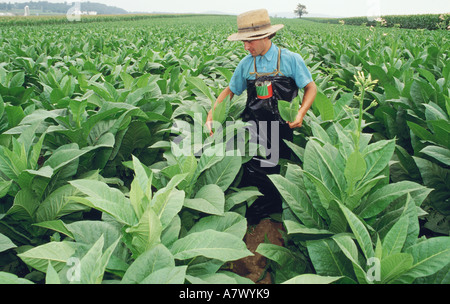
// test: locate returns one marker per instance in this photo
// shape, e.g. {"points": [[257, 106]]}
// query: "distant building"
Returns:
{"points": [[27, 11], [84, 13]]}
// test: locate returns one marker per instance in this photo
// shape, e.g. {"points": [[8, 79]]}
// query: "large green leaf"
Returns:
{"points": [[225, 277], [209, 199], [147, 233], [12, 163], [311, 279], [5, 243], [102, 197], [4, 187], [184, 165], [56, 225], [168, 275], [325, 107], [156, 258], [9, 278], [439, 153], [210, 157], [377, 156], [93, 264], [52, 276], [404, 208], [421, 132], [229, 222], [58, 204], [380, 199], [441, 129], [241, 196], [355, 168], [89, 231], [172, 232], [421, 91], [328, 259], [167, 203], [199, 84], [350, 250], [55, 252], [138, 199], [289, 110], [360, 232], [222, 173], [394, 266], [289, 263], [325, 167], [63, 156], [142, 176], [220, 112], [141, 188], [435, 177], [304, 233], [318, 187], [25, 205], [298, 201], [395, 239], [211, 244], [430, 256]]}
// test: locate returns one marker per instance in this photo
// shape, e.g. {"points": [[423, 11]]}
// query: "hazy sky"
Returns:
{"points": [[341, 8]]}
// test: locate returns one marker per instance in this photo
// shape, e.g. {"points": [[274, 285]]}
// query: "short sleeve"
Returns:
{"points": [[302, 75], [238, 83]]}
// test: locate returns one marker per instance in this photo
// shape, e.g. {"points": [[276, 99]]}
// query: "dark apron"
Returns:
{"points": [[263, 94]]}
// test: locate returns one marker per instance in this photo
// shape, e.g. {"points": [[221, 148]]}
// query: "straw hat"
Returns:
{"points": [[254, 25]]}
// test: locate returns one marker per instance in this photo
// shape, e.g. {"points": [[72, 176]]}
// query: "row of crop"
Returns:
{"points": [[353, 171], [344, 182], [77, 125], [104, 121], [411, 95], [425, 21], [63, 19], [409, 104]]}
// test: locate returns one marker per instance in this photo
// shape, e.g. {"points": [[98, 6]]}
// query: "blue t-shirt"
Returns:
{"points": [[292, 65]]}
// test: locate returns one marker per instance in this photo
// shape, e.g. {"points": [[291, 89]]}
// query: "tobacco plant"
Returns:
{"points": [[108, 175], [341, 206]]}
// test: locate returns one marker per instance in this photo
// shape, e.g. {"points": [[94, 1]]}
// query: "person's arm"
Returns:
{"points": [[308, 99], [226, 92]]}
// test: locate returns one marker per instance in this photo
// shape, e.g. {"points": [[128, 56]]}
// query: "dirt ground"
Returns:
{"points": [[254, 267]]}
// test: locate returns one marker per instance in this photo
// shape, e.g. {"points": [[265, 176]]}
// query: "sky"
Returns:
{"points": [[336, 8]]}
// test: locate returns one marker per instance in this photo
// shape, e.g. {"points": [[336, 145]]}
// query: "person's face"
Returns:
{"points": [[256, 47]]}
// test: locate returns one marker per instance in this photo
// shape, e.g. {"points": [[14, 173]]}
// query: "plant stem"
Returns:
{"points": [[361, 101]]}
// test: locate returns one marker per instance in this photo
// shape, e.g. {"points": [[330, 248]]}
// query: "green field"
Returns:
{"points": [[92, 189], [425, 21]]}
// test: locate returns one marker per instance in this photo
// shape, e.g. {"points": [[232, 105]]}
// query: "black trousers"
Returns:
{"points": [[270, 202]]}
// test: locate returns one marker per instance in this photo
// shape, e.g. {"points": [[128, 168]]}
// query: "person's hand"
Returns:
{"points": [[209, 119], [298, 122], [209, 122], [308, 99]]}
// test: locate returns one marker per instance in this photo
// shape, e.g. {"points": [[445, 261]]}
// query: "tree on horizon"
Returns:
{"points": [[300, 10]]}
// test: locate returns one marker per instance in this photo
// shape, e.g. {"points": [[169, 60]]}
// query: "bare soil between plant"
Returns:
{"points": [[254, 267]]}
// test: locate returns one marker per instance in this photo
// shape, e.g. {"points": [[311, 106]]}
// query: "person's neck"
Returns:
{"points": [[268, 46]]}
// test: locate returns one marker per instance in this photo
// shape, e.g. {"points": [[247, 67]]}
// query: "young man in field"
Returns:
{"points": [[268, 74]]}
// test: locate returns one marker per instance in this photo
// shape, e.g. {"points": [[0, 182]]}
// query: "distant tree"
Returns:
{"points": [[300, 10], [61, 8]]}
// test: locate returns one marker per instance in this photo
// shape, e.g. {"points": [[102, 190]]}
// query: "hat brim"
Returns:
{"points": [[255, 35]]}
